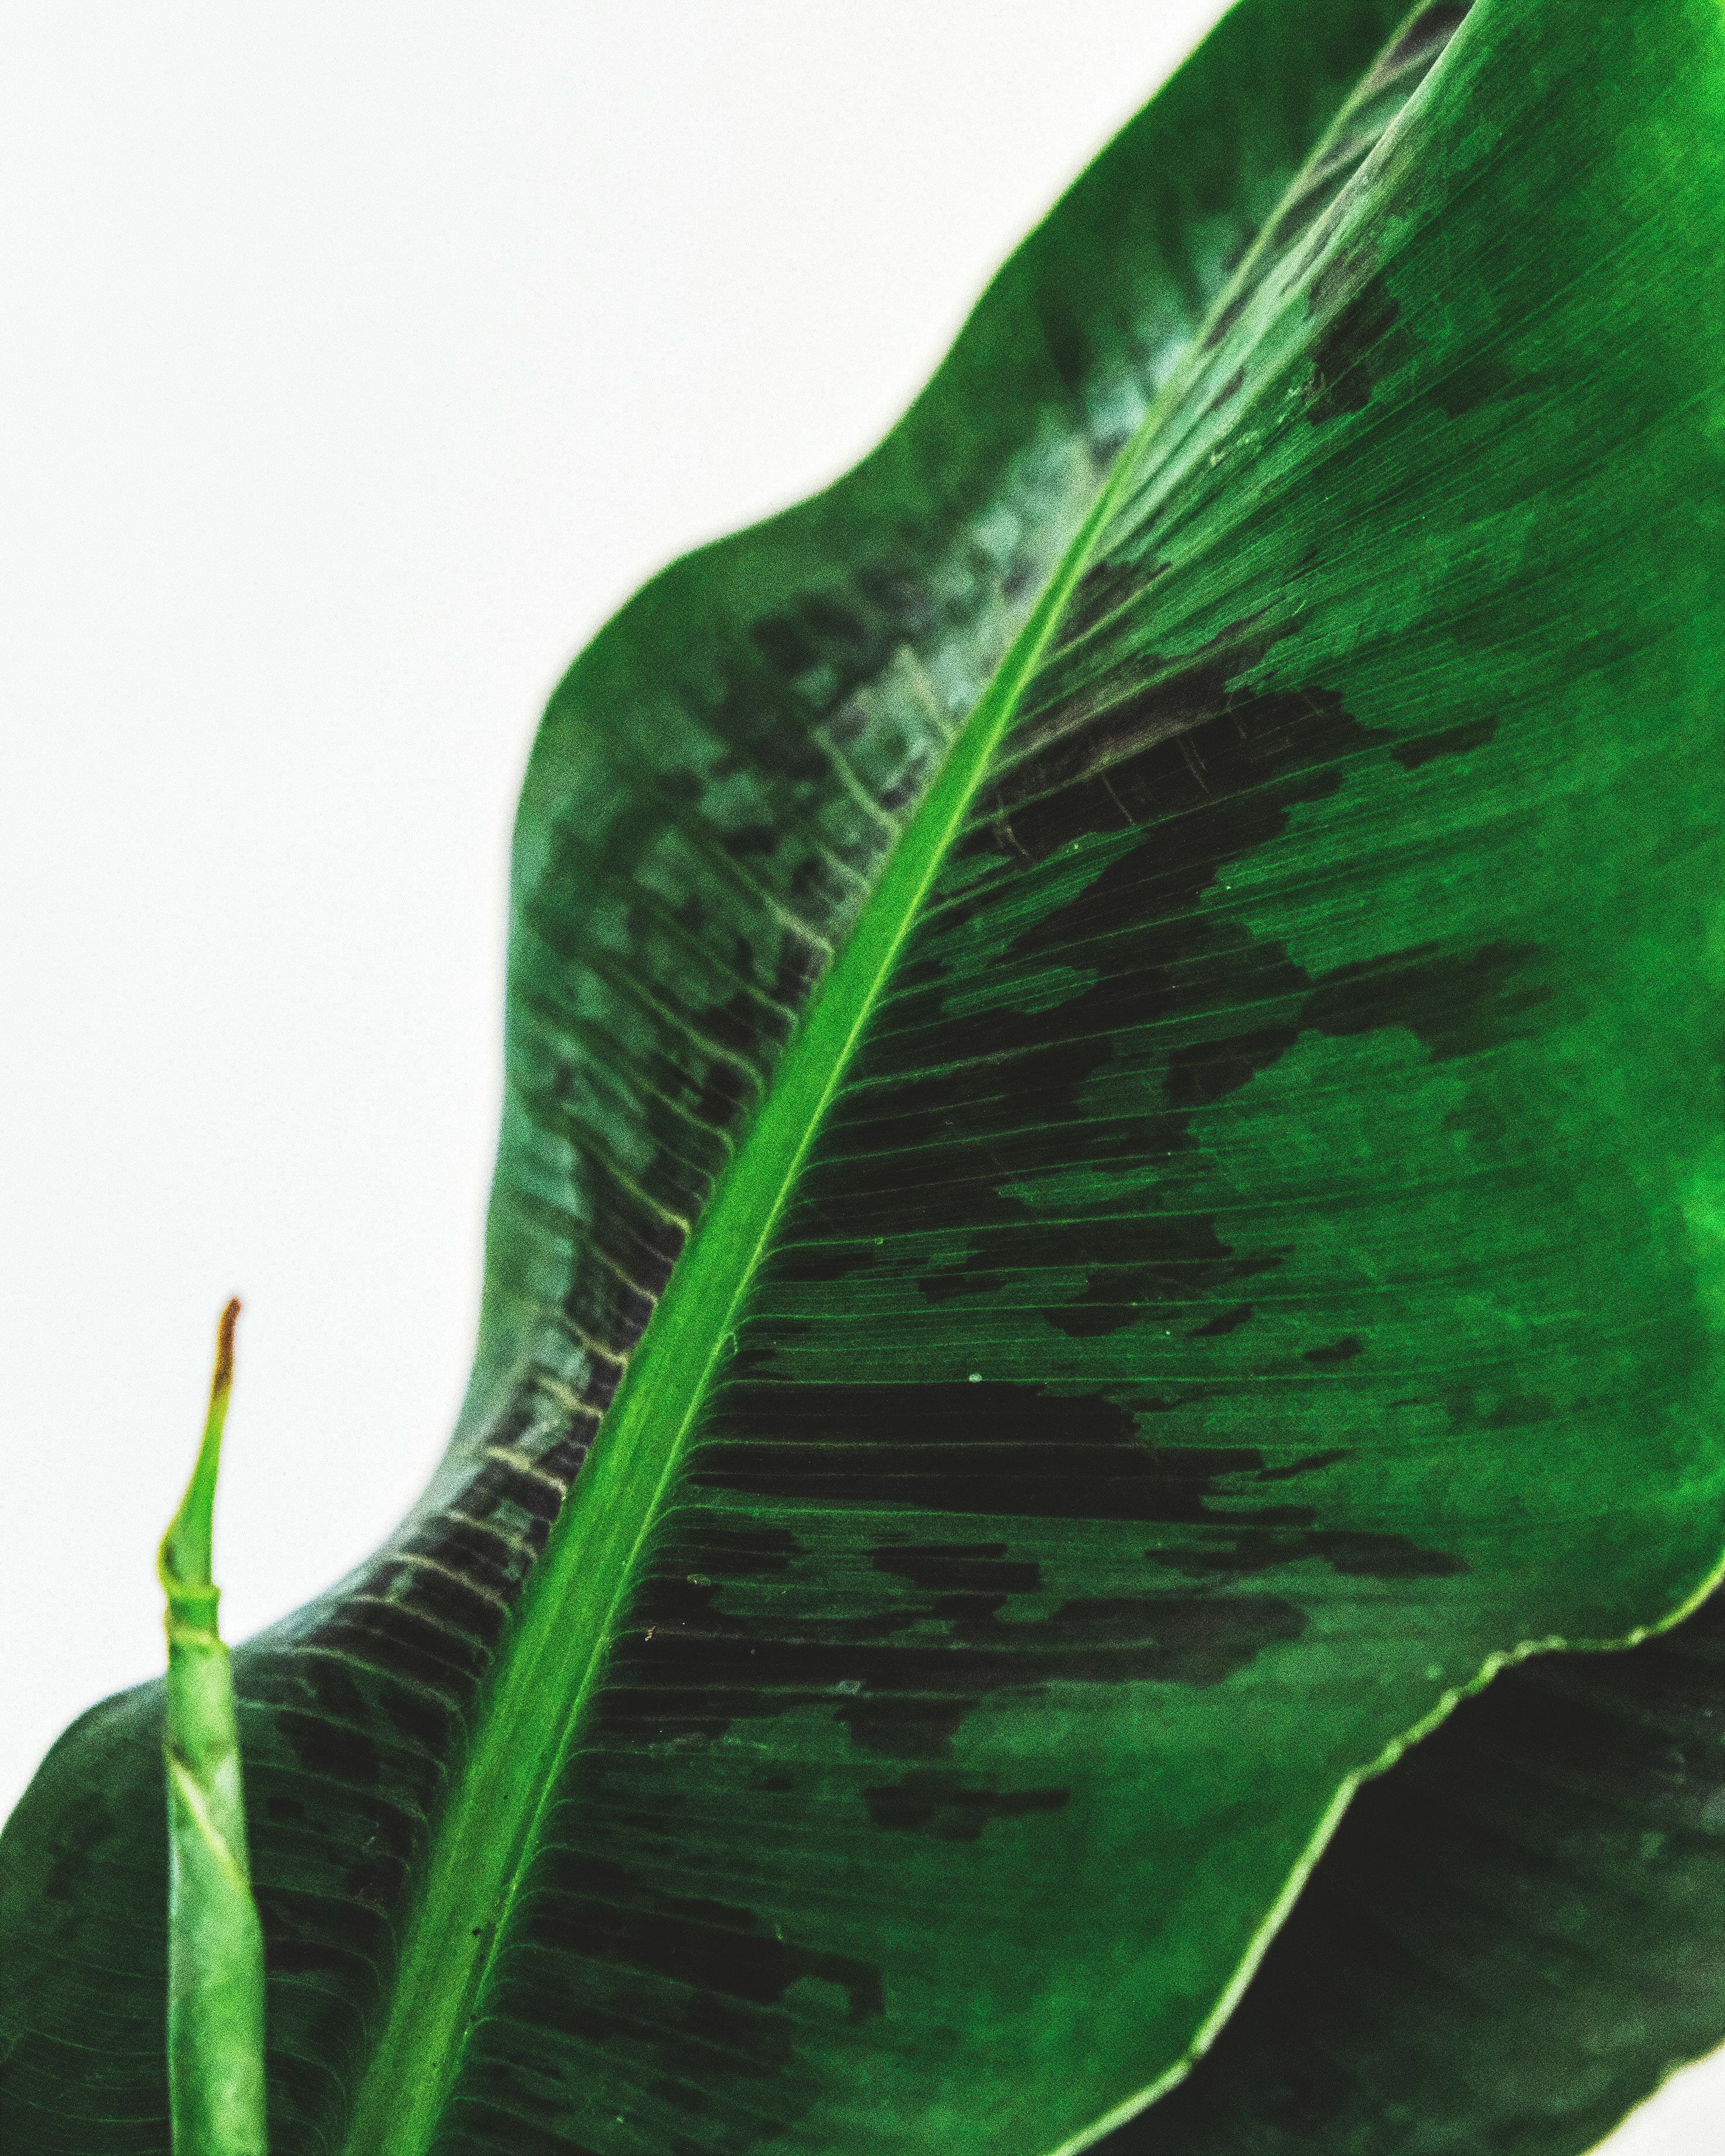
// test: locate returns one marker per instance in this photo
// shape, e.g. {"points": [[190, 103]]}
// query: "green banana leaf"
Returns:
{"points": [[1113, 1192]]}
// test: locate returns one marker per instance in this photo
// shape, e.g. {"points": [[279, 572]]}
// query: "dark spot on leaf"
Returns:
{"points": [[1454, 740], [1477, 381], [947, 1286], [1360, 345], [934, 1801], [1301, 212], [1338, 1351], [1153, 1267], [1227, 315], [786, 644], [1209, 1071], [1370, 1555], [990, 1449], [1509, 1411], [1101, 591], [1310, 1465], [970, 1569], [597, 1912], [902, 1677], [1188, 740], [1455, 1005], [1229, 1321], [1229, 391], [1358, 1554]]}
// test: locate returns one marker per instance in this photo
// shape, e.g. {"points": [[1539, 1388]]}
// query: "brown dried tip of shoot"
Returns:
{"points": [[222, 1379], [183, 1561]]}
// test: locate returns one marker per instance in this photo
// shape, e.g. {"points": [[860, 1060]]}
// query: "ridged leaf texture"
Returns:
{"points": [[1112, 1192]]}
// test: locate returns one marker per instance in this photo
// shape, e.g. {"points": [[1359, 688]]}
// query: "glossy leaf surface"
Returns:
{"points": [[1111, 1121]]}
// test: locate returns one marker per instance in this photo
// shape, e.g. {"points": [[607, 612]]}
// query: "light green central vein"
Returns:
{"points": [[581, 1588]]}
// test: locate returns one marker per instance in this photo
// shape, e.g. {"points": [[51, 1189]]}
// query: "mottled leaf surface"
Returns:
{"points": [[1257, 1261]]}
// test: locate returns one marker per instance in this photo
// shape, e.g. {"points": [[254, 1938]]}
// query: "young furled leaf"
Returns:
{"points": [[215, 1948], [1109, 1184]]}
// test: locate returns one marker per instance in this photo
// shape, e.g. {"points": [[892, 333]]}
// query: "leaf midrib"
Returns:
{"points": [[485, 1839]]}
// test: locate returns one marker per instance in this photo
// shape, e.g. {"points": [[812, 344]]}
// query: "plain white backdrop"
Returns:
{"points": [[358, 361]]}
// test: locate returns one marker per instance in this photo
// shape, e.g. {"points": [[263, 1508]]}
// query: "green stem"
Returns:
{"points": [[215, 1946]]}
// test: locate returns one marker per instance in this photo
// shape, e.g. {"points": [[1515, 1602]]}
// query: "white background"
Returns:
{"points": [[358, 361]]}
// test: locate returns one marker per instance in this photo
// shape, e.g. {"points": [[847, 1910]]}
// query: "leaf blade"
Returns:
{"points": [[1371, 1015]]}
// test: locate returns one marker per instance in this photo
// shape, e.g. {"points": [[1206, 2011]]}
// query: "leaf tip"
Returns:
{"points": [[183, 1561]]}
